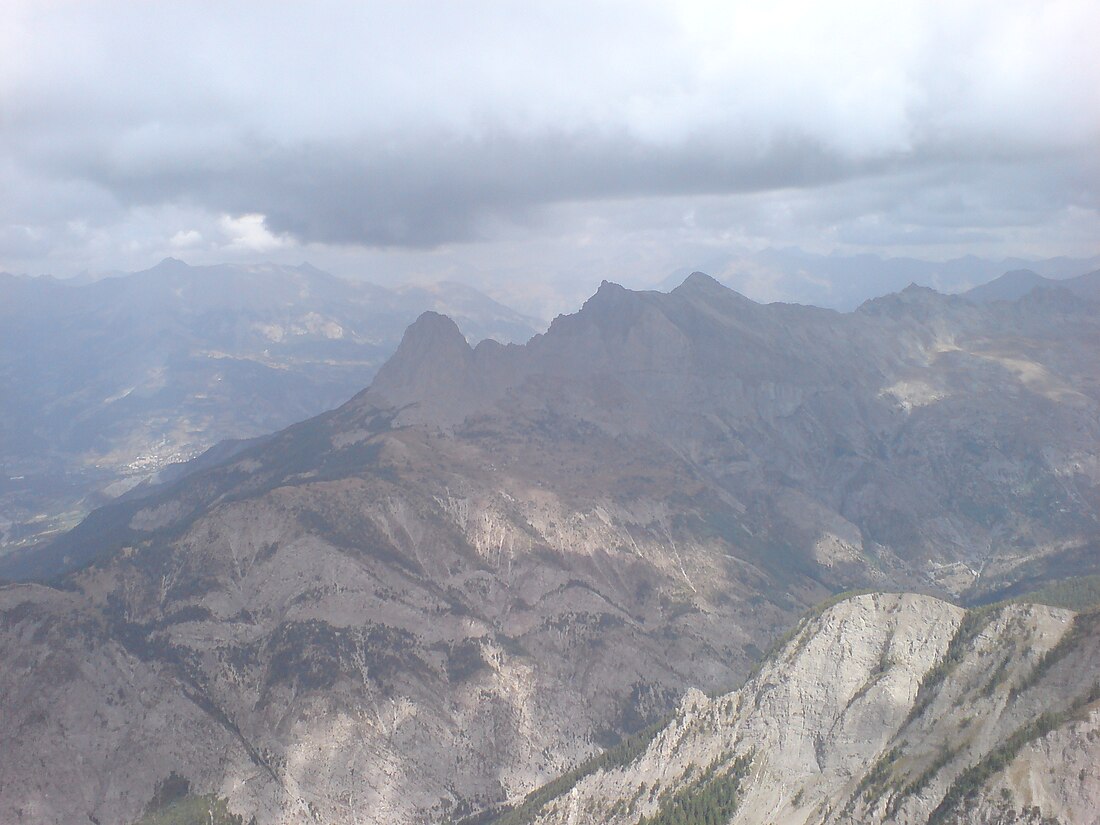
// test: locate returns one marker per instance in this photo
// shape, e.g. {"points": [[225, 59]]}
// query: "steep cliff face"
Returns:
{"points": [[498, 560], [885, 708]]}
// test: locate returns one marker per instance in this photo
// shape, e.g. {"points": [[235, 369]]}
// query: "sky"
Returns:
{"points": [[534, 148]]}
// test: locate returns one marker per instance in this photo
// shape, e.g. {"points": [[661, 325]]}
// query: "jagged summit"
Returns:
{"points": [[608, 293], [432, 340], [432, 329], [432, 374], [611, 307]]}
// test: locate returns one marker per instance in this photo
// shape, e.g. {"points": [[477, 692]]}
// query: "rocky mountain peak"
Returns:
{"points": [[432, 340], [915, 300], [704, 291], [610, 294], [700, 282], [434, 332], [612, 307], [431, 368]]}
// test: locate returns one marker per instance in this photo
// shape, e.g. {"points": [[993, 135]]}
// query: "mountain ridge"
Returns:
{"points": [[843, 282], [496, 562], [889, 714], [1014, 285]]}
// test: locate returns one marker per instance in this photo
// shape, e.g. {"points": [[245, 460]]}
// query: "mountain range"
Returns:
{"points": [[113, 380], [1019, 282], [843, 282], [501, 560]]}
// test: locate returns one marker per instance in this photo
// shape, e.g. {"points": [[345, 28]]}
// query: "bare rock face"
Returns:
{"points": [[496, 562], [87, 719], [886, 708], [432, 370]]}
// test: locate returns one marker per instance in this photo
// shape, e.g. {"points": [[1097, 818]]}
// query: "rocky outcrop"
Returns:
{"points": [[885, 708]]}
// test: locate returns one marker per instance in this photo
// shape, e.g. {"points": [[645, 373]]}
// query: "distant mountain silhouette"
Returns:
{"points": [[844, 282]]}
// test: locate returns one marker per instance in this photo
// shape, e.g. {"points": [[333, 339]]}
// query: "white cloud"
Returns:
{"points": [[185, 239], [248, 232]]}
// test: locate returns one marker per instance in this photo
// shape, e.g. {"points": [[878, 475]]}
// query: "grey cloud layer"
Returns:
{"points": [[430, 191], [418, 124]]}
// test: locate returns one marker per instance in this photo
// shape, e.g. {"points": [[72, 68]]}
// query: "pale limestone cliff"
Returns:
{"points": [[885, 708]]}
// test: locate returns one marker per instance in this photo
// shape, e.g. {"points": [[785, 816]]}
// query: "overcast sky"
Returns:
{"points": [[526, 144]]}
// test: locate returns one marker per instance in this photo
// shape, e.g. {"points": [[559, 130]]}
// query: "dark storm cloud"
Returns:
{"points": [[429, 191], [418, 124]]}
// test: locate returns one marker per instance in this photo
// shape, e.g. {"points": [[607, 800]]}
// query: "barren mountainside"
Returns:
{"points": [[499, 560], [885, 708]]}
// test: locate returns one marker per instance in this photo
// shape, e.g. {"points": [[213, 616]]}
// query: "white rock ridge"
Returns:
{"points": [[885, 709]]}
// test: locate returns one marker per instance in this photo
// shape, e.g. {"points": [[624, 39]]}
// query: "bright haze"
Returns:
{"points": [[533, 149]]}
